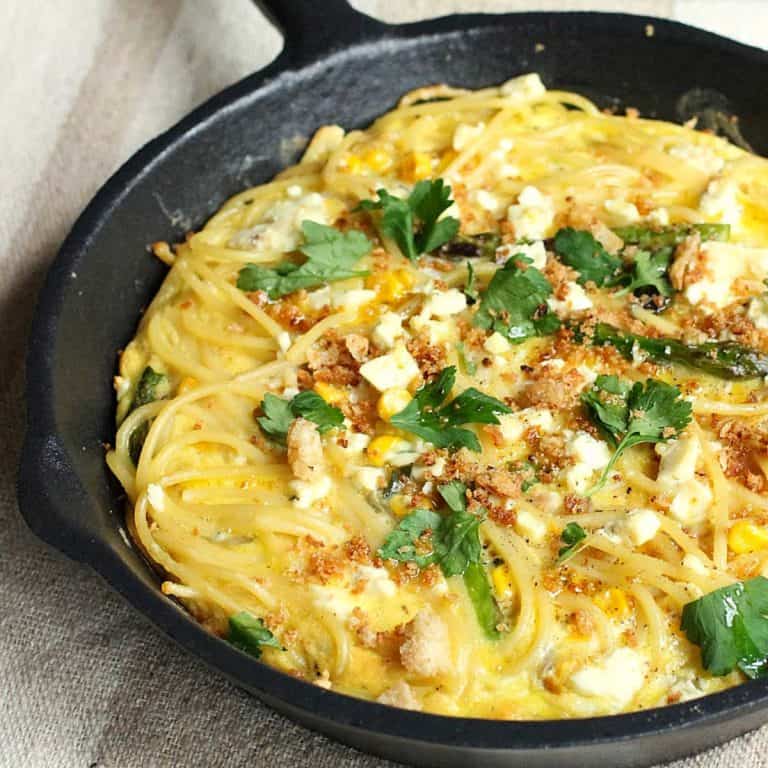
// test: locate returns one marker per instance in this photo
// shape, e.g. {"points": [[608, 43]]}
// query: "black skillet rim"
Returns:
{"points": [[42, 451]]}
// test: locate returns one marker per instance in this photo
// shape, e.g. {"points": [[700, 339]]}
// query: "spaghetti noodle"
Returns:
{"points": [[279, 512]]}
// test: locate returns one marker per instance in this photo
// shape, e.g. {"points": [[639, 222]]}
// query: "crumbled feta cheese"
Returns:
{"points": [[658, 217], [356, 442], [437, 331], [445, 303], [122, 386], [353, 299], [156, 496], [396, 369], [335, 600], [530, 526], [590, 455], [486, 200], [290, 392], [533, 215], [524, 87], [319, 298], [514, 425], [535, 251], [377, 580], [388, 330], [370, 478], [466, 133], [294, 191], [576, 300], [757, 311], [284, 341], [702, 158], [723, 267], [641, 526], [691, 502], [720, 202], [622, 212], [496, 344], [678, 461], [587, 373], [307, 492], [618, 678], [280, 231]]}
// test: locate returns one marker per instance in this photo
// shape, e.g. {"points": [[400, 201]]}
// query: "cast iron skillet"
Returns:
{"points": [[338, 66]]}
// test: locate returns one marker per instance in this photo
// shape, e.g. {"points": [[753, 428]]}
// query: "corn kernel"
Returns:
{"points": [[502, 582], [613, 602], [381, 448], [416, 166], [330, 393], [448, 157], [377, 159], [187, 384], [391, 286], [745, 536], [352, 164], [399, 505], [392, 401]]}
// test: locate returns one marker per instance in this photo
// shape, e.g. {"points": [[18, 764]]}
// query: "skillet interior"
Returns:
{"points": [[104, 276]]}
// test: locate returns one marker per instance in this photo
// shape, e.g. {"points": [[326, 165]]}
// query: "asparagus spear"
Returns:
{"points": [[652, 239], [471, 246], [723, 359]]}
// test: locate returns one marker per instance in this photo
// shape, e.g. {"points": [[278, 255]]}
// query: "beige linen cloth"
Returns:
{"points": [[85, 681]]}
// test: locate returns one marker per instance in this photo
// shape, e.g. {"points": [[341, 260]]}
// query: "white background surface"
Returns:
{"points": [[84, 681]]}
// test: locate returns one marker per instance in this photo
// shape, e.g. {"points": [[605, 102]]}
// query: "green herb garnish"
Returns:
{"points": [[515, 302], [451, 541], [581, 251], [415, 223], [631, 414], [573, 537], [731, 627], [249, 634], [427, 416], [280, 413], [331, 256]]}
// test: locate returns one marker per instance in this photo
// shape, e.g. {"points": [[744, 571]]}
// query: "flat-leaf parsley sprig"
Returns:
{"points": [[414, 223], [630, 414], [331, 256], [440, 424]]}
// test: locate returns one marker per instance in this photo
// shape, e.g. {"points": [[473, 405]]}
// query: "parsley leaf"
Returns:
{"points": [[580, 250], [311, 406], [731, 627], [427, 417], [403, 544], [415, 224], [573, 536], [280, 413], [515, 302], [649, 270], [654, 412], [249, 634], [455, 547], [330, 254]]}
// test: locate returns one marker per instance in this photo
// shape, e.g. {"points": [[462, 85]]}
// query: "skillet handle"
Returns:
{"points": [[313, 28]]}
